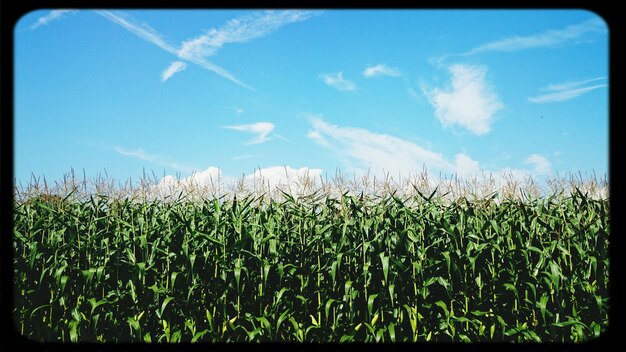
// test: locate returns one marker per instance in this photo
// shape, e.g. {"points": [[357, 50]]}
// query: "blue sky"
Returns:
{"points": [[236, 92]]}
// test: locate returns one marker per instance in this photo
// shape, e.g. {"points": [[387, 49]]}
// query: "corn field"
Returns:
{"points": [[352, 268]]}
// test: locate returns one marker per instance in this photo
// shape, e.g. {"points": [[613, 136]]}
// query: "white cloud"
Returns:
{"points": [[155, 159], [283, 176], [242, 157], [317, 137], [195, 50], [381, 70], [207, 183], [237, 30], [466, 167], [540, 164], [212, 182], [240, 30], [337, 81], [363, 151], [261, 129], [570, 84], [175, 67], [550, 38], [564, 95], [148, 33], [137, 153], [141, 30], [469, 103], [51, 16], [208, 177], [379, 152], [566, 91]]}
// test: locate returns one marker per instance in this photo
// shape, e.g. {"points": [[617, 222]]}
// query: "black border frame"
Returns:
{"points": [[10, 339]]}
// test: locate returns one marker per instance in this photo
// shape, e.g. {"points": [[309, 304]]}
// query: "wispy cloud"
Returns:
{"points": [[363, 149], [196, 50], [146, 32], [155, 159], [242, 157], [240, 30], [337, 81], [176, 66], [317, 137], [549, 38], [137, 153], [142, 30], [51, 16], [470, 102], [571, 84], [381, 70], [540, 164], [261, 129], [566, 91], [564, 95]]}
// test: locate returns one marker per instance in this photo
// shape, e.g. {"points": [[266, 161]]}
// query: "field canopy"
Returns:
{"points": [[204, 185]]}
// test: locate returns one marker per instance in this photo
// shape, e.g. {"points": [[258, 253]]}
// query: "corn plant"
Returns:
{"points": [[314, 268]]}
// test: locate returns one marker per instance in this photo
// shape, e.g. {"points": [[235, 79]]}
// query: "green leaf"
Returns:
{"points": [[568, 323], [495, 226], [73, 330], [280, 293], [346, 338], [166, 301], [443, 306], [327, 307], [370, 302], [199, 335], [479, 313], [385, 262], [134, 324], [176, 336], [281, 318], [173, 278], [95, 304], [595, 327], [511, 332], [511, 288]]}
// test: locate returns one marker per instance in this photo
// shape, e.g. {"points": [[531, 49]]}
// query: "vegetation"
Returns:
{"points": [[387, 267]]}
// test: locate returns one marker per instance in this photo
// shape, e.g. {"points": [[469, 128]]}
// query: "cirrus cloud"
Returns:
{"points": [[566, 91], [237, 30], [176, 66], [546, 39], [381, 70], [337, 81], [261, 129], [53, 15]]}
